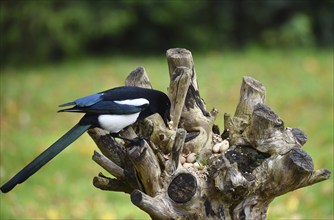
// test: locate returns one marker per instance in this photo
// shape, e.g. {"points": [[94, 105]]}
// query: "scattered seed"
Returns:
{"points": [[182, 159], [191, 158], [216, 147], [197, 165], [224, 146]]}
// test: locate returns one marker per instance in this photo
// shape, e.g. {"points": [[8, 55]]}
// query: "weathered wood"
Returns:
{"points": [[108, 165], [105, 183], [147, 167], [267, 133], [157, 207], [178, 88], [139, 78], [264, 158], [185, 95], [174, 161], [179, 57], [182, 188], [252, 92], [155, 129], [108, 146], [115, 153]]}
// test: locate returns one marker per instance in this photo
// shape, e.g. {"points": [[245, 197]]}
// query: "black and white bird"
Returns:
{"points": [[112, 110]]}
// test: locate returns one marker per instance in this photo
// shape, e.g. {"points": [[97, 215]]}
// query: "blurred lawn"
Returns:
{"points": [[299, 89]]}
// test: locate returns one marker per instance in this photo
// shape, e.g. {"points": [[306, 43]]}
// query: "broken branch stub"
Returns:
{"points": [[187, 171], [188, 108]]}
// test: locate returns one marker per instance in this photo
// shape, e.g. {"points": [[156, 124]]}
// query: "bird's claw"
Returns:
{"points": [[137, 141]]}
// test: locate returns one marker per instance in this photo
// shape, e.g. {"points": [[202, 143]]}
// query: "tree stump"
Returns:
{"points": [[189, 170]]}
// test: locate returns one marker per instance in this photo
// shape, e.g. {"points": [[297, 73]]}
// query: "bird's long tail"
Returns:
{"points": [[45, 157]]}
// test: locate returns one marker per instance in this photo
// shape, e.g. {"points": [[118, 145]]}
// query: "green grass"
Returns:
{"points": [[299, 89]]}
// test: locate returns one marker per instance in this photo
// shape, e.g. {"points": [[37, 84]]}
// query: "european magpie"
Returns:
{"points": [[112, 110]]}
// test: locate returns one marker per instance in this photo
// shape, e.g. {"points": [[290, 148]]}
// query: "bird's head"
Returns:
{"points": [[160, 104], [165, 111]]}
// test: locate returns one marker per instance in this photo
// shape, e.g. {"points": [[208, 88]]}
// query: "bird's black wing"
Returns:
{"points": [[85, 101], [107, 107], [120, 100]]}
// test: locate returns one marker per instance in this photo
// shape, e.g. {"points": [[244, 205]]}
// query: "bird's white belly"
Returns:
{"points": [[115, 123]]}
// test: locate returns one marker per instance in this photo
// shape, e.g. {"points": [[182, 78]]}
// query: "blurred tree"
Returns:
{"points": [[40, 31], [295, 33]]}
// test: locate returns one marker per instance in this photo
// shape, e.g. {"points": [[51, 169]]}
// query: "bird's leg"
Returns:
{"points": [[138, 141], [134, 141]]}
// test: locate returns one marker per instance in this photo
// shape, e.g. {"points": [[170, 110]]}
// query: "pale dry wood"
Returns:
{"points": [[178, 88], [109, 184], [157, 207], [267, 133], [139, 78], [154, 128], [108, 146], [194, 117], [252, 92], [174, 160], [178, 57], [108, 165], [265, 159], [147, 167]]}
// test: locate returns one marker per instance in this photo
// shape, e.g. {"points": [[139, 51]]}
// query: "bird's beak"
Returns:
{"points": [[166, 117]]}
